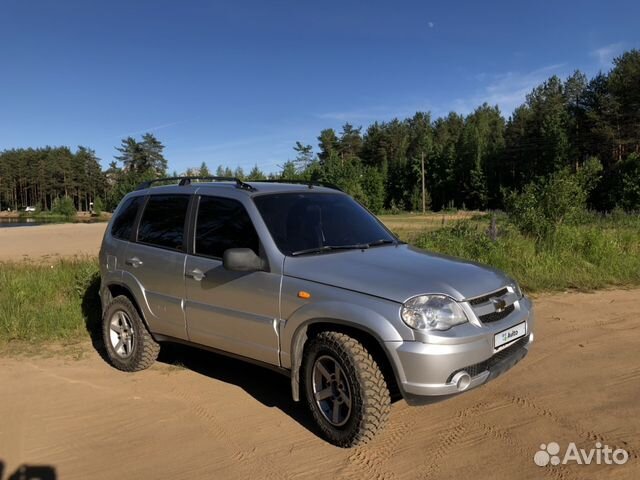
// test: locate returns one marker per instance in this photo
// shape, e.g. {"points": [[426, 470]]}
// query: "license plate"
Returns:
{"points": [[510, 334]]}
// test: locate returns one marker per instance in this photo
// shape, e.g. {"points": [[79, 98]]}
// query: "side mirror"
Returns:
{"points": [[242, 260]]}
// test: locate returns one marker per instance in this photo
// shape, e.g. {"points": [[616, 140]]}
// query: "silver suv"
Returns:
{"points": [[304, 280]]}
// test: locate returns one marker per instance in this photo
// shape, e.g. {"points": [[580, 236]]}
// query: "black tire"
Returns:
{"points": [[365, 385], [144, 349]]}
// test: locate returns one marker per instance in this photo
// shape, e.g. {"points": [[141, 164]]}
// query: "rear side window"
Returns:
{"points": [[123, 223], [223, 223], [162, 223]]}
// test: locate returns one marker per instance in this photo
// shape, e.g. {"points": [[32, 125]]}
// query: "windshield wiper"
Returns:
{"points": [[326, 248], [382, 241], [356, 246]]}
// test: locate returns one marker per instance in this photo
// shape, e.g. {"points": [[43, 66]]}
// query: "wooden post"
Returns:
{"points": [[424, 200]]}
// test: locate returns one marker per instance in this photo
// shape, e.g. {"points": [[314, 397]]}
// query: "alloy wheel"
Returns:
{"points": [[331, 390], [121, 334]]}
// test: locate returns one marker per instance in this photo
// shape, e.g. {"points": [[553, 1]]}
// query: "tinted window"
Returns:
{"points": [[123, 223], [301, 221], [162, 222], [223, 223]]}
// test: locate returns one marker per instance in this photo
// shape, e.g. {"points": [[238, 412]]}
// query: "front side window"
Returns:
{"points": [[306, 223], [123, 223], [223, 223], [163, 220]]}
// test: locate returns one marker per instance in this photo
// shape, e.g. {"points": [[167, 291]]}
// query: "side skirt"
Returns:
{"points": [[282, 371]]}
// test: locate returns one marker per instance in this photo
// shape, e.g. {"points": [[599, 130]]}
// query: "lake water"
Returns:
{"points": [[32, 222]]}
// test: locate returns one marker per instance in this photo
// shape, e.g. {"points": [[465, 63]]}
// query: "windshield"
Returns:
{"points": [[305, 223]]}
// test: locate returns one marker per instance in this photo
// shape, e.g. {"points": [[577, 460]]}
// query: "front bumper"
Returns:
{"points": [[426, 370]]}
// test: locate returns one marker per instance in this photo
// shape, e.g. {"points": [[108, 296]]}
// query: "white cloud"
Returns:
{"points": [[606, 54], [150, 129], [431, 24], [507, 90]]}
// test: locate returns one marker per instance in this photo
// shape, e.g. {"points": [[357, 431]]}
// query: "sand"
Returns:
{"points": [[199, 415], [43, 243]]}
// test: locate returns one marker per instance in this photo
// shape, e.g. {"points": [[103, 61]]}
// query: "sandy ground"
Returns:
{"points": [[199, 415], [49, 242]]}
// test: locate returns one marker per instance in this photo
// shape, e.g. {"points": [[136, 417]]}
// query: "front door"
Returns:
{"points": [[232, 311]]}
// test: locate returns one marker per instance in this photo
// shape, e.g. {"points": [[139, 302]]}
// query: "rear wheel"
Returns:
{"points": [[345, 389], [129, 345]]}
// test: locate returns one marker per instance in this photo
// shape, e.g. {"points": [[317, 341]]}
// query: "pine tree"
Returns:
{"points": [[304, 156], [204, 170], [152, 149], [256, 174], [141, 157]]}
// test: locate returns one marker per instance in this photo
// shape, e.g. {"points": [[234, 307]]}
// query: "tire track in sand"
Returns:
{"points": [[256, 466], [523, 401], [371, 459], [449, 439], [559, 472]]}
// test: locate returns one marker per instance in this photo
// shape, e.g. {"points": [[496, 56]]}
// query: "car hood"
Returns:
{"points": [[397, 272]]}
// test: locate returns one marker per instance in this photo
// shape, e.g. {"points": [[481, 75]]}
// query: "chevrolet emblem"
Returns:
{"points": [[499, 304]]}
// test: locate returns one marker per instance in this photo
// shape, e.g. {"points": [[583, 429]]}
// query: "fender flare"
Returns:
{"points": [[143, 308], [360, 318]]}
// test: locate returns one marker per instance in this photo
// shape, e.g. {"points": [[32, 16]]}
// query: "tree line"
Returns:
{"points": [[469, 161], [39, 176], [474, 161]]}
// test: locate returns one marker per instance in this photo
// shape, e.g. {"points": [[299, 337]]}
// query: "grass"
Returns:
{"points": [[44, 302], [409, 226], [48, 301], [604, 252]]}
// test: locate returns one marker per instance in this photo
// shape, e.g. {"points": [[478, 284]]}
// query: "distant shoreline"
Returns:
{"points": [[79, 217]]}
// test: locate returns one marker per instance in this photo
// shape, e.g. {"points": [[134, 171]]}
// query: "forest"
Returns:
{"points": [[472, 161], [39, 176]]}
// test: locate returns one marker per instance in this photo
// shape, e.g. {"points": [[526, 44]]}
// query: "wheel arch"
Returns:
{"points": [[369, 339], [115, 289]]}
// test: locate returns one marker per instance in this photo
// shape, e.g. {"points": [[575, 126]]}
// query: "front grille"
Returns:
{"points": [[495, 316], [478, 368], [486, 298]]}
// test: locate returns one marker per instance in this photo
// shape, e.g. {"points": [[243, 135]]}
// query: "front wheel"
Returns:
{"points": [[345, 389]]}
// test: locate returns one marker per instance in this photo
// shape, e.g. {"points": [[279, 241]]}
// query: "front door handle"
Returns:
{"points": [[135, 262], [196, 274]]}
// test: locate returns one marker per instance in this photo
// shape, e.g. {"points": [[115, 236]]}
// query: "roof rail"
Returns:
{"points": [[182, 181], [309, 183]]}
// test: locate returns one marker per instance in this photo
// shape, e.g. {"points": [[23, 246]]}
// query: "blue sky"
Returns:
{"points": [[237, 83]]}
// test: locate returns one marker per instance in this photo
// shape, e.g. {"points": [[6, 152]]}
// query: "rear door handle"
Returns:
{"points": [[196, 274], [134, 262]]}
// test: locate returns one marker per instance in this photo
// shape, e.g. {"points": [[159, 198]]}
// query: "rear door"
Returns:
{"points": [[231, 311], [156, 261], [121, 232]]}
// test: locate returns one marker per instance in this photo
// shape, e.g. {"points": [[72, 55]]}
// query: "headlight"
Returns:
{"points": [[516, 289], [432, 312]]}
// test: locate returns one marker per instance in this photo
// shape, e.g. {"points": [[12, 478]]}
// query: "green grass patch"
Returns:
{"points": [[48, 302], [604, 252], [47, 216]]}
